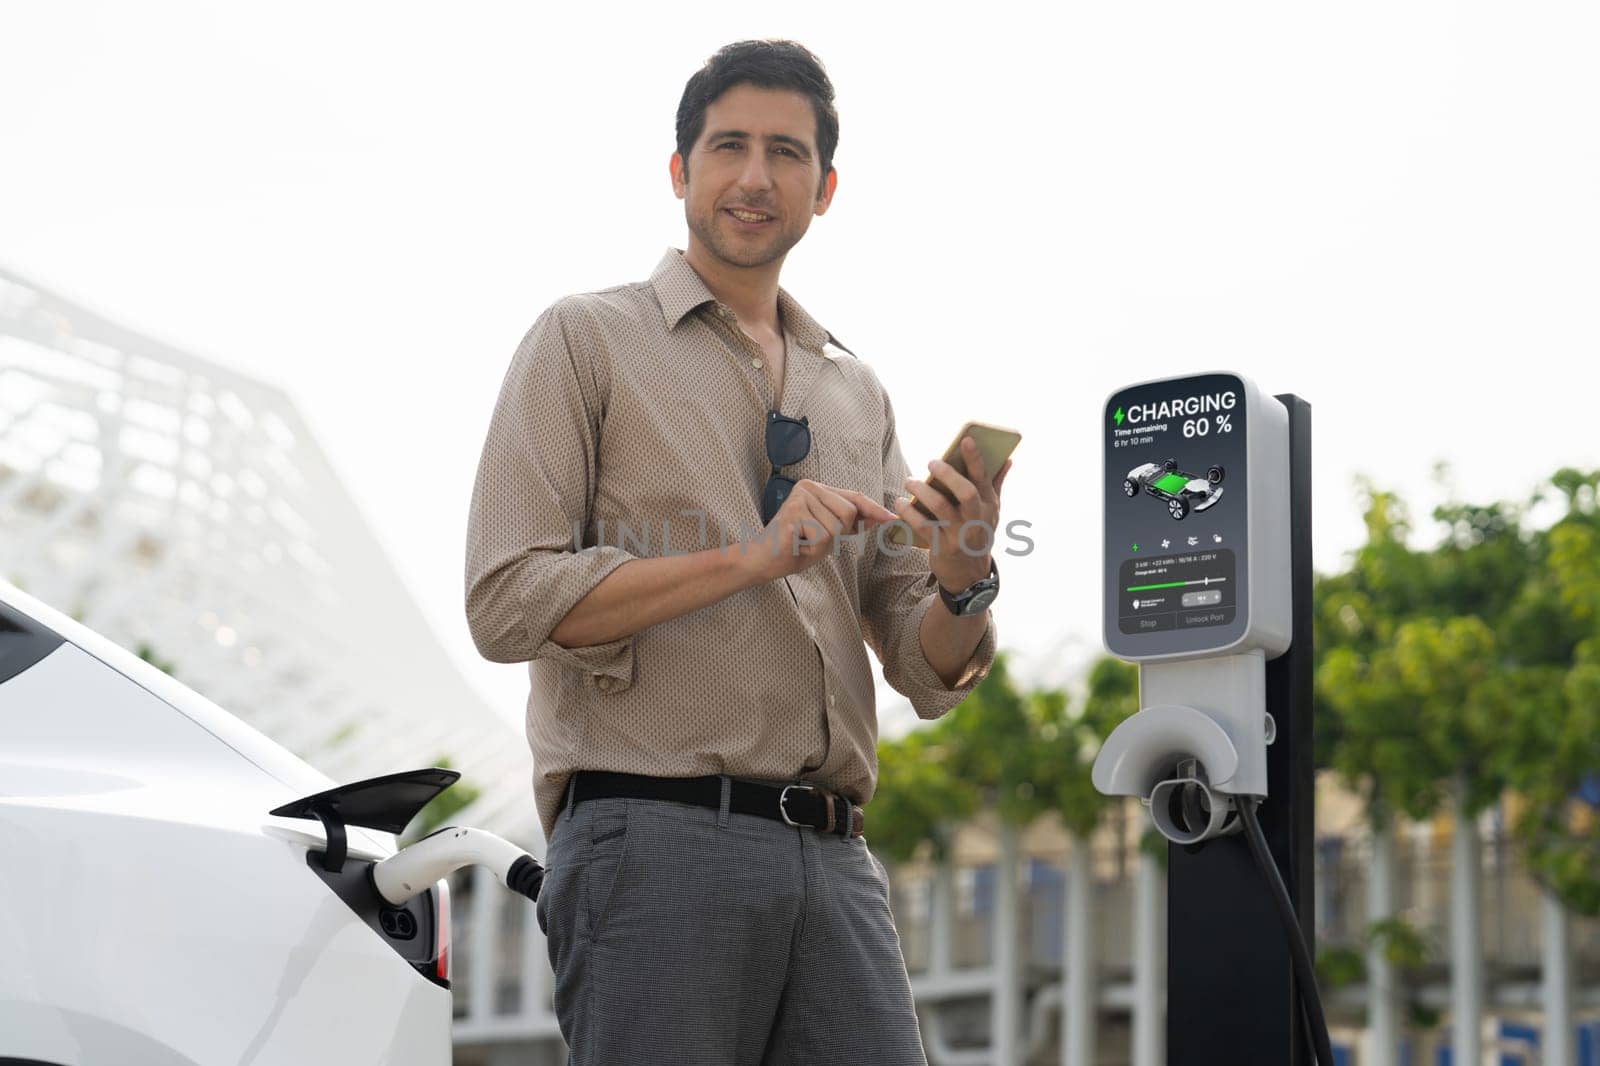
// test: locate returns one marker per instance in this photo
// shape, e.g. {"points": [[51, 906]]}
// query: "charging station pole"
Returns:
{"points": [[1231, 998]]}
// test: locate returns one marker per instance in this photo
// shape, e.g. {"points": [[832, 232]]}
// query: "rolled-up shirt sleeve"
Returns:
{"points": [[526, 565], [898, 589]]}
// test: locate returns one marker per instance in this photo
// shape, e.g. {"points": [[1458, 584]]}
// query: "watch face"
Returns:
{"points": [[979, 601]]}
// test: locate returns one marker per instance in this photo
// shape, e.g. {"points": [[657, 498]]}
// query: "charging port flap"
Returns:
{"points": [[386, 803]]}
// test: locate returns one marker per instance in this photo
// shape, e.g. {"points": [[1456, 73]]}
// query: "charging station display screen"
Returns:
{"points": [[1175, 516]]}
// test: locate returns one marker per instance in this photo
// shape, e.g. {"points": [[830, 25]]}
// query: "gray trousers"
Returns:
{"points": [[684, 935]]}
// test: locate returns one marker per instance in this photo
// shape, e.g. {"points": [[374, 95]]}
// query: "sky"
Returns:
{"points": [[1391, 210]]}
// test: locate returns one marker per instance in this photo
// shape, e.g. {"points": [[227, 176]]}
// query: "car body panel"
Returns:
{"points": [[251, 744], [152, 904]]}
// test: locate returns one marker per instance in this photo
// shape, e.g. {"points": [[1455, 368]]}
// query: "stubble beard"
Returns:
{"points": [[734, 251]]}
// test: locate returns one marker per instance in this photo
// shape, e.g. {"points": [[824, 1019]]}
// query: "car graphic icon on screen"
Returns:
{"points": [[1183, 491]]}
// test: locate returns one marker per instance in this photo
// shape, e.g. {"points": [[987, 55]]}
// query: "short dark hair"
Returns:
{"points": [[772, 64]]}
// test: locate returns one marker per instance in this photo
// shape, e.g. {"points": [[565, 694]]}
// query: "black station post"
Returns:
{"points": [[1231, 998]]}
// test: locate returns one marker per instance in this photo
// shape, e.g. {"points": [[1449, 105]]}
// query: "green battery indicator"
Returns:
{"points": [[1177, 584]]}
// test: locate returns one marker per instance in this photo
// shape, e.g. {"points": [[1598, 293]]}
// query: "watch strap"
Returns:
{"points": [[957, 602]]}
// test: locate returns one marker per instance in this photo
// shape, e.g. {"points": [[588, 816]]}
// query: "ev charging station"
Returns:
{"points": [[1207, 587]]}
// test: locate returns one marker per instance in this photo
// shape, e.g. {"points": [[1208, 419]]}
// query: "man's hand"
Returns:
{"points": [[958, 542], [803, 531]]}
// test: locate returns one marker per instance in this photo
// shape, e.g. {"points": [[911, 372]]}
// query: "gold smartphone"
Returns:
{"points": [[995, 445]]}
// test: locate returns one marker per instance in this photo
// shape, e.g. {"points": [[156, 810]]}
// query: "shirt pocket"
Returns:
{"points": [[846, 463]]}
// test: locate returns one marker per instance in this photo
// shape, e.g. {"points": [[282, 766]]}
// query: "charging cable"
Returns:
{"points": [[1305, 977]]}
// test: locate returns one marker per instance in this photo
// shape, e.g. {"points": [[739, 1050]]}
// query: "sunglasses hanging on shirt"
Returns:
{"points": [[788, 442]]}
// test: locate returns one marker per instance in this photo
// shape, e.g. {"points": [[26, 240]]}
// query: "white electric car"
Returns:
{"points": [[176, 889]]}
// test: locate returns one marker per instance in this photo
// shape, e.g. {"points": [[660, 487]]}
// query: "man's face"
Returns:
{"points": [[751, 185]]}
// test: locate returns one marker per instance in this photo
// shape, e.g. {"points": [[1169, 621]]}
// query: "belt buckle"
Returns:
{"points": [[783, 812]]}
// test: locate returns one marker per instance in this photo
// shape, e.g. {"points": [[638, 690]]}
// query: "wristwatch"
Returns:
{"points": [[976, 596]]}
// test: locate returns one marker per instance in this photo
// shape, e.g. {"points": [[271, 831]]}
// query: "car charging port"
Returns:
{"points": [[397, 923]]}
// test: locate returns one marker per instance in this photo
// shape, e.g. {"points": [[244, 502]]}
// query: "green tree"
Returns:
{"points": [[1020, 753], [1412, 679], [1475, 660], [1558, 731], [1066, 743], [991, 745], [918, 799]]}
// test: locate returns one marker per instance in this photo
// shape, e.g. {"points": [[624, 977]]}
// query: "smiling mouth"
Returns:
{"points": [[748, 217]]}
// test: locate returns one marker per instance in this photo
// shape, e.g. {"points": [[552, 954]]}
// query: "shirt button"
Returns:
{"points": [[604, 682], [756, 363], [831, 701]]}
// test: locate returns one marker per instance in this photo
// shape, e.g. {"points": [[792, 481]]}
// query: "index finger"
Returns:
{"points": [[844, 504], [867, 506]]}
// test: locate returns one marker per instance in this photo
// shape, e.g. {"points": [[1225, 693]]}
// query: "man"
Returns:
{"points": [[676, 523]]}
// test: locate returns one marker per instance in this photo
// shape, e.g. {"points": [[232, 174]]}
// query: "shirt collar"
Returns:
{"points": [[680, 290]]}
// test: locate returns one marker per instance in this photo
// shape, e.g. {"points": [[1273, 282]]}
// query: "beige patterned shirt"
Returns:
{"points": [[632, 424]]}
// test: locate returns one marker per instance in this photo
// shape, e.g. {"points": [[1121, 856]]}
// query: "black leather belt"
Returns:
{"points": [[797, 805]]}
